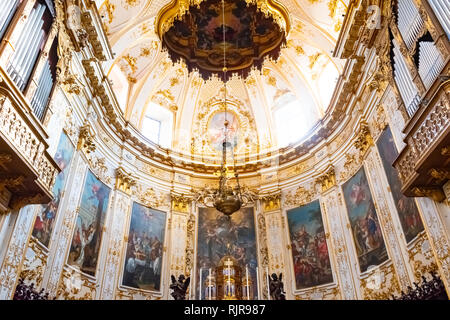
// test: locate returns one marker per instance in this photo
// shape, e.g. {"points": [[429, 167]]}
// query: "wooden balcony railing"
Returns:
{"points": [[27, 171], [424, 163]]}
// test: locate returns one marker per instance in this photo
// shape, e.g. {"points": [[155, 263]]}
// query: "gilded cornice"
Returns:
{"points": [[86, 139], [271, 202], [180, 203], [327, 180], [124, 180], [299, 197]]}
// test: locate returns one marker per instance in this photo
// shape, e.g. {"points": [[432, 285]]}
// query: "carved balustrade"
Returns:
{"points": [[27, 171], [424, 163]]}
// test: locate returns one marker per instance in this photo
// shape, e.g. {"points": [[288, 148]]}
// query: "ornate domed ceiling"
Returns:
{"points": [[267, 110]]}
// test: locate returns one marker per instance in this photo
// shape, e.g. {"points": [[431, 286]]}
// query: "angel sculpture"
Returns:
{"points": [[179, 287], [276, 287]]}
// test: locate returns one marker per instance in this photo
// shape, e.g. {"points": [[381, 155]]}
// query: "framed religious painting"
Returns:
{"points": [[312, 266], [406, 206], [365, 226], [45, 219], [144, 251], [87, 236]]}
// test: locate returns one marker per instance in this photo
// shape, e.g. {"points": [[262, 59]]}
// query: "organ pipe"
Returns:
{"points": [[441, 9], [27, 50], [410, 22]]}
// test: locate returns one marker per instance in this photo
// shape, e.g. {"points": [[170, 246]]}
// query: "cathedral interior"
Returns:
{"points": [[224, 149]]}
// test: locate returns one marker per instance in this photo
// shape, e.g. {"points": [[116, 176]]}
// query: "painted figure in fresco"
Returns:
{"points": [[358, 194], [93, 235], [309, 247], [46, 217], [143, 259], [373, 228], [364, 222], [86, 235], [221, 235], [406, 207]]}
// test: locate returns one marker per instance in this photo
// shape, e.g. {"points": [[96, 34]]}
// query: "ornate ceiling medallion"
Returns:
{"points": [[192, 31]]}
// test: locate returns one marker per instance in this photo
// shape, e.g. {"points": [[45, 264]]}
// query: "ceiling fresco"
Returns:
{"points": [[142, 73]]}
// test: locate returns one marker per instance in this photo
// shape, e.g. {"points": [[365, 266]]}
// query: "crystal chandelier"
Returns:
{"points": [[226, 199]]}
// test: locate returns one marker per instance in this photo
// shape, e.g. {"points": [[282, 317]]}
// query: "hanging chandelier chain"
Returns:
{"points": [[224, 66]]}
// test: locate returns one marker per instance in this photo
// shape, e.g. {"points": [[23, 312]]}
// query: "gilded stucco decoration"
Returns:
{"points": [[380, 284], [150, 197], [271, 202], [190, 244], [263, 254], [327, 180], [75, 286], [180, 203], [124, 180], [325, 293], [86, 139], [210, 113], [299, 197], [364, 139], [421, 257], [100, 168], [351, 164], [35, 261]]}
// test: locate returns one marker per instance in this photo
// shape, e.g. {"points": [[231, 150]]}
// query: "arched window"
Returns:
{"points": [[292, 120], [157, 125]]}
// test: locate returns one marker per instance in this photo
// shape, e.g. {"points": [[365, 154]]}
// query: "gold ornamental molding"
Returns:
{"points": [[124, 180], [180, 203], [328, 179], [300, 197], [271, 202], [177, 8], [434, 193], [364, 139], [86, 139]]}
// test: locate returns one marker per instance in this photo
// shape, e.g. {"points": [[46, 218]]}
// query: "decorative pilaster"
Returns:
{"points": [[190, 245], [110, 271], [438, 237], [327, 180], [124, 181], [86, 139], [11, 267], [65, 223], [275, 228], [178, 238], [395, 244], [332, 209], [363, 140], [263, 257]]}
